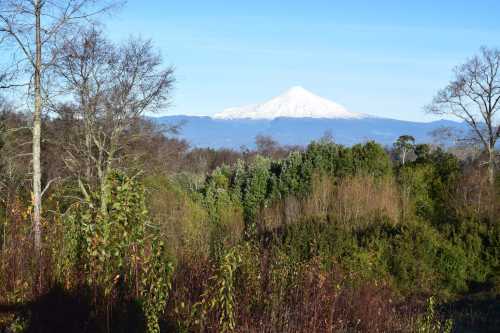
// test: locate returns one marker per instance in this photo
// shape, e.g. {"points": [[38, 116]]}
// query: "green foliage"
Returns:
{"points": [[336, 160], [291, 174], [418, 256], [224, 209], [18, 325], [480, 241], [371, 159], [430, 323], [403, 146], [422, 153], [416, 183], [182, 218], [249, 277], [220, 294], [283, 278], [427, 183], [115, 250], [409, 254], [155, 284], [328, 158], [255, 191], [257, 184], [413, 255], [113, 242]]}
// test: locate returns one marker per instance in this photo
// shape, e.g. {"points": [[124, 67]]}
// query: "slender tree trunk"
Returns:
{"points": [[491, 165], [85, 105], [105, 186], [88, 146], [104, 196], [37, 128]]}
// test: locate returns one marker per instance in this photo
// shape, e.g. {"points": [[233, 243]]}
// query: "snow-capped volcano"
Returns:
{"points": [[296, 102]]}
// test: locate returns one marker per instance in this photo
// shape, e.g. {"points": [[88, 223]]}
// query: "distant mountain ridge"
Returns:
{"points": [[201, 131], [296, 117]]}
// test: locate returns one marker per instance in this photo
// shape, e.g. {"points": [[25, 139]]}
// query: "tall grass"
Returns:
{"points": [[350, 202]]}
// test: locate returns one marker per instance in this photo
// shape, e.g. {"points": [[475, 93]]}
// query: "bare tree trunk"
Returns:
{"points": [[37, 128], [88, 145], [104, 195], [491, 166], [105, 187]]}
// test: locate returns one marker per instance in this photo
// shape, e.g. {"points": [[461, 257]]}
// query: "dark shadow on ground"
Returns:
{"points": [[61, 311], [476, 314]]}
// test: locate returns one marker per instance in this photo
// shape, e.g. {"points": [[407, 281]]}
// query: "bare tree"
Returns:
{"points": [[113, 87], [473, 96], [266, 145], [327, 137], [84, 65], [29, 30]]}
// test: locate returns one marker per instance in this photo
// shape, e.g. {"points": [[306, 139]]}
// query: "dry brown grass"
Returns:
{"points": [[474, 196], [357, 200], [352, 202]]}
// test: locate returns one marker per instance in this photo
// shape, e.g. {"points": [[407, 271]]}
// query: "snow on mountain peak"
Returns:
{"points": [[296, 102], [297, 90]]}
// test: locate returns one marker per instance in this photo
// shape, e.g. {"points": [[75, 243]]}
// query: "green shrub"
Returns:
{"points": [[116, 251]]}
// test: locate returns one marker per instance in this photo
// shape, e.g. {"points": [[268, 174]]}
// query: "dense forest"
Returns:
{"points": [[110, 224]]}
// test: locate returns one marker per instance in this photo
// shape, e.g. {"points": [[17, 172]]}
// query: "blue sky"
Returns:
{"points": [[386, 58]]}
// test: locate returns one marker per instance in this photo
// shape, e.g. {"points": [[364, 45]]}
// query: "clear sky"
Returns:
{"points": [[386, 58]]}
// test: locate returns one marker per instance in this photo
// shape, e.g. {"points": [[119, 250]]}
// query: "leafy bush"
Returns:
{"points": [[115, 250]]}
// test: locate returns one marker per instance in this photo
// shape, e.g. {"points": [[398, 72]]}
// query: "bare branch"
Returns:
{"points": [[474, 96], [48, 185]]}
